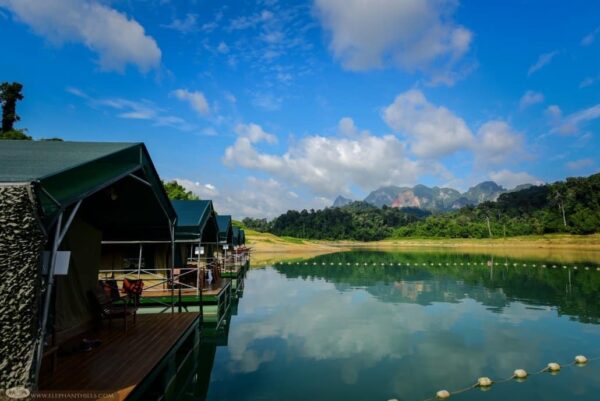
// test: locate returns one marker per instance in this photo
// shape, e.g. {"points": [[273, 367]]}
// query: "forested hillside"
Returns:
{"points": [[571, 206], [356, 221]]}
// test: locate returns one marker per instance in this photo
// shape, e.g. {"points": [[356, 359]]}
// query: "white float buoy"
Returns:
{"points": [[553, 367], [484, 382], [442, 394], [581, 360], [520, 374]]}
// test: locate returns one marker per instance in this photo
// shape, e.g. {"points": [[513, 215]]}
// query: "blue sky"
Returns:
{"points": [[270, 105]]}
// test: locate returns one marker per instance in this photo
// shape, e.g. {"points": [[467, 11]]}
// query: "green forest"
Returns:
{"points": [[570, 206], [357, 221]]}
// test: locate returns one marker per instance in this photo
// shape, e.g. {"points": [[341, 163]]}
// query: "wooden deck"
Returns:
{"points": [[123, 360]]}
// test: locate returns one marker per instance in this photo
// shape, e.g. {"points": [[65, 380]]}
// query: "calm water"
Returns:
{"points": [[319, 330]]}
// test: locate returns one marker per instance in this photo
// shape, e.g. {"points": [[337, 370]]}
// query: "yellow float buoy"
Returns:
{"points": [[484, 382], [581, 360], [520, 374], [553, 367], [442, 394]]}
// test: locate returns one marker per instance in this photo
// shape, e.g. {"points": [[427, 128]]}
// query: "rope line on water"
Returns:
{"points": [[519, 374], [417, 264]]}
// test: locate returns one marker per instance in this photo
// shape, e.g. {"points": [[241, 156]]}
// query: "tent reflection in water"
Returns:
{"points": [[67, 196]]}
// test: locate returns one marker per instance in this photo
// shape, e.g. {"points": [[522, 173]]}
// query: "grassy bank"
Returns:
{"points": [[268, 247]]}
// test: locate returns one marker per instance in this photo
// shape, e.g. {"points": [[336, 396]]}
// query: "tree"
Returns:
{"points": [[177, 192], [15, 134], [9, 95]]}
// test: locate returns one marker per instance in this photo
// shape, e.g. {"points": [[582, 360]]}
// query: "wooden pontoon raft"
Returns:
{"points": [[215, 299], [124, 358]]}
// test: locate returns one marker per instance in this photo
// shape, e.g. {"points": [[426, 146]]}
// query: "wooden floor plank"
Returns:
{"points": [[123, 359]]}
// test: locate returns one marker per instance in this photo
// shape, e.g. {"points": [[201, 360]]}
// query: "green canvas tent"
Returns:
{"points": [[196, 225], [66, 196], [237, 236], [196, 221], [225, 229]]}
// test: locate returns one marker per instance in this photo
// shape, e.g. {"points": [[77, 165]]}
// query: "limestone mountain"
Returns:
{"points": [[341, 201], [435, 199]]}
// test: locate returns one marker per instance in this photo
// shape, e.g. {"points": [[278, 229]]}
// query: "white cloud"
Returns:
{"points": [[253, 198], [496, 142], [187, 25], [589, 38], [509, 179], [347, 127], [572, 123], [433, 130], [117, 39], [204, 191], [330, 165], [135, 110], [410, 34], [530, 98], [196, 99], [542, 61], [254, 133], [579, 164]]}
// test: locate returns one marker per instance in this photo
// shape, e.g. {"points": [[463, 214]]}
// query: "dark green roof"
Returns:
{"points": [[26, 161], [225, 228], [192, 218], [63, 173]]}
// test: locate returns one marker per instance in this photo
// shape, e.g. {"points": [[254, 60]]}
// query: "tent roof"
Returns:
{"points": [[26, 161], [192, 217], [225, 228], [236, 236], [118, 180]]}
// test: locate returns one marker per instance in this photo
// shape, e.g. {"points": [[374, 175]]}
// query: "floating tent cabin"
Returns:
{"points": [[239, 237], [197, 232], [225, 231], [236, 237], [58, 201]]}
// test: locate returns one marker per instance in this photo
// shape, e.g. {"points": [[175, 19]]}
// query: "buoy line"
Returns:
{"points": [[520, 375], [417, 264]]}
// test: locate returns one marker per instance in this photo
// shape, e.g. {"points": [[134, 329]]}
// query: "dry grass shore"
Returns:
{"points": [[568, 248]]}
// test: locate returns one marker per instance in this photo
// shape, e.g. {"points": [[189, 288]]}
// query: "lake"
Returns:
{"points": [[370, 325]]}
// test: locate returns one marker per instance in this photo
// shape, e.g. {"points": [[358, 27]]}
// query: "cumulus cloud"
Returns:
{"points": [[496, 142], [510, 179], [542, 61], [433, 130], [330, 165], [410, 34], [117, 39], [253, 198], [254, 133], [196, 100], [530, 98]]}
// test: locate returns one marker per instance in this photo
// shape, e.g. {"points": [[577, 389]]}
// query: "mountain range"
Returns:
{"points": [[433, 199]]}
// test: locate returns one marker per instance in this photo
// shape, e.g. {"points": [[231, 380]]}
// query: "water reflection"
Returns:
{"points": [[329, 329]]}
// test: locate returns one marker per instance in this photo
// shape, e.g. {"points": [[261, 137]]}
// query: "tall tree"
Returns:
{"points": [[9, 95], [176, 191]]}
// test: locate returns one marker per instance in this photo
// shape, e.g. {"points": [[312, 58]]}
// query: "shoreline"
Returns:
{"points": [[565, 248]]}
